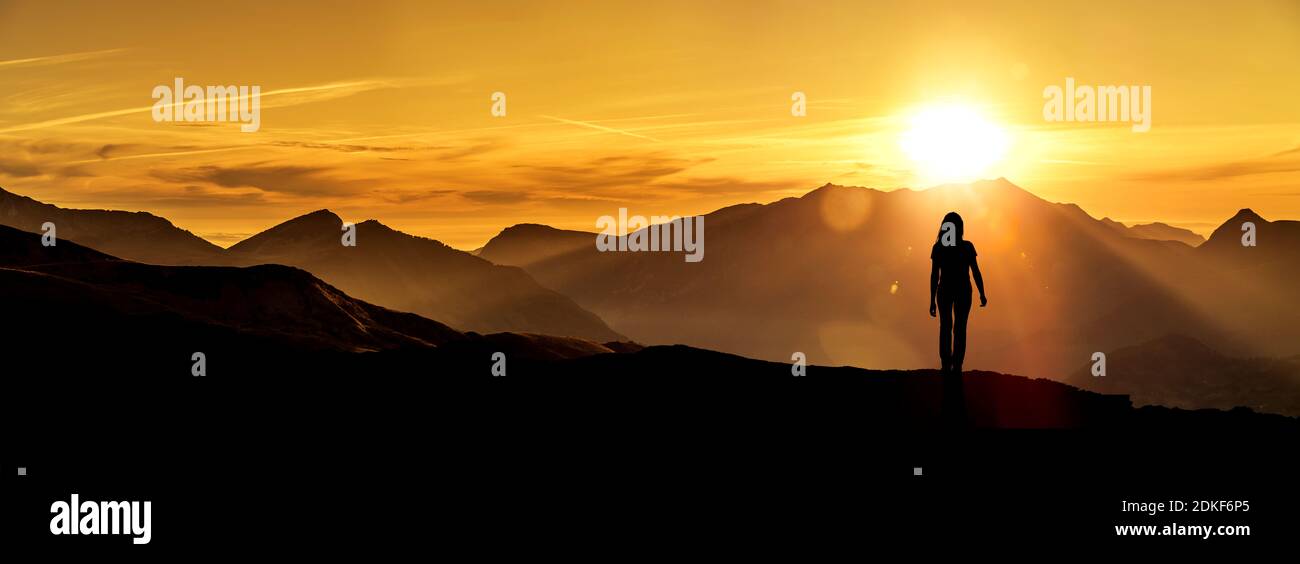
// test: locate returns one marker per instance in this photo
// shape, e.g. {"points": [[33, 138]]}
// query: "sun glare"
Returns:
{"points": [[952, 143]]}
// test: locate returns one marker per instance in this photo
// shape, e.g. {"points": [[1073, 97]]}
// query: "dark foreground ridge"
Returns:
{"points": [[326, 421]]}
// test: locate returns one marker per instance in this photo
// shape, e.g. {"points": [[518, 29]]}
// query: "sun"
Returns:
{"points": [[953, 143]]}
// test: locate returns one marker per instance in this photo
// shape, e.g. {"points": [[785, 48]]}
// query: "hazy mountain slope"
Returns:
{"points": [[1156, 232], [137, 235], [274, 301], [1179, 371], [1163, 232], [1276, 242], [528, 243], [396, 270], [1251, 290], [84, 313], [421, 276]]}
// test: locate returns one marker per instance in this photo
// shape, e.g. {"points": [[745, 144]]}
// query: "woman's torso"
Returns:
{"points": [[954, 264]]}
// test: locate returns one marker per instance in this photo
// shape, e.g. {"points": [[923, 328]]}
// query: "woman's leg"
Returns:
{"points": [[945, 328], [961, 311]]}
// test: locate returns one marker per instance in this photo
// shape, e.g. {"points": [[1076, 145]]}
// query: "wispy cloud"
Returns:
{"points": [[495, 196], [606, 173], [310, 181], [1280, 162], [103, 157], [344, 148], [301, 95], [19, 168], [725, 186], [436, 132], [56, 59], [599, 127]]}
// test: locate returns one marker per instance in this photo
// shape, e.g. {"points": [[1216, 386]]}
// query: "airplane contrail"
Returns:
{"points": [[65, 58], [602, 128], [477, 129], [366, 84]]}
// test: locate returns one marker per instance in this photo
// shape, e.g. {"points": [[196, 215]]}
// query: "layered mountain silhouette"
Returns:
{"points": [[76, 317], [529, 243], [71, 310], [1179, 371], [138, 235], [1274, 246], [421, 276], [1156, 231], [387, 267], [840, 274]]}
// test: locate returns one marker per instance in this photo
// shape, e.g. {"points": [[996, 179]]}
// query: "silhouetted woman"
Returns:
{"points": [[950, 260]]}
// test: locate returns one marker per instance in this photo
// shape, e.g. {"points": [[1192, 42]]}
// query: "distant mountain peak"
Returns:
{"points": [[1233, 224], [831, 188], [999, 183], [421, 275], [1227, 236], [321, 215], [530, 228], [826, 187], [315, 218], [1247, 214], [1158, 231], [374, 227], [315, 229]]}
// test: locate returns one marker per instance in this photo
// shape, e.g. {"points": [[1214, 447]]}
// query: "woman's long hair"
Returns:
{"points": [[957, 223]]}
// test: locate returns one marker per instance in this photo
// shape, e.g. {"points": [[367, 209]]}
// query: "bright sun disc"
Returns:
{"points": [[953, 144]]}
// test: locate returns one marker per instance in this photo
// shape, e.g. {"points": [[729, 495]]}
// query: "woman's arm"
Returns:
{"points": [[979, 280], [934, 284]]}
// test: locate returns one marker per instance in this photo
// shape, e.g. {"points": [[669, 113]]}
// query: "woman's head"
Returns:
{"points": [[955, 220]]}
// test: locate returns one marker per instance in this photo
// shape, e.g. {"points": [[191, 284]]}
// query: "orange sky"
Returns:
{"points": [[382, 110]]}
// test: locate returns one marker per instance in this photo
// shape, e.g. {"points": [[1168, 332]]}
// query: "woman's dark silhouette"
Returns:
{"points": [[950, 261]]}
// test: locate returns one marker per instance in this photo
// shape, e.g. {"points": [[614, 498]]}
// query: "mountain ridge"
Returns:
{"points": [[135, 329], [407, 272], [111, 231], [421, 275], [840, 275], [157, 315]]}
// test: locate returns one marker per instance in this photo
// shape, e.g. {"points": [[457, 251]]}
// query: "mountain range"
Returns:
{"points": [[71, 311], [838, 274], [1178, 371], [422, 276], [386, 267], [139, 235], [88, 324], [1156, 231]]}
